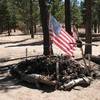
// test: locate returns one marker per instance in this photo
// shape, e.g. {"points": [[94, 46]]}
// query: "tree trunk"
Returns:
{"points": [[68, 16], [14, 27], [95, 28], [45, 22], [31, 19], [34, 28], [98, 28], [9, 30], [88, 26], [1, 28]]}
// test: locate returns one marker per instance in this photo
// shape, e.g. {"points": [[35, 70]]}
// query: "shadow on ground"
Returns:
{"points": [[27, 44], [42, 87], [13, 42], [6, 35], [8, 83]]}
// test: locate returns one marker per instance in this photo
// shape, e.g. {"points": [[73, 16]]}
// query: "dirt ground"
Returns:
{"points": [[14, 47]]}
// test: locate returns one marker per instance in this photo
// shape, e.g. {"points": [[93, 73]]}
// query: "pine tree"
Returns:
{"points": [[76, 13], [4, 16], [88, 26]]}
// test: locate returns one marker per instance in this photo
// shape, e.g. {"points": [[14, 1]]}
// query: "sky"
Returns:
{"points": [[77, 0]]}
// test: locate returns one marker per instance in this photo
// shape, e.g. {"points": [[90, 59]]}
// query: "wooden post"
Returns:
{"points": [[26, 53], [83, 57], [89, 59], [57, 70]]}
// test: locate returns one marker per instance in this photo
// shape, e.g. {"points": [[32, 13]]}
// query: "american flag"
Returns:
{"points": [[61, 38]]}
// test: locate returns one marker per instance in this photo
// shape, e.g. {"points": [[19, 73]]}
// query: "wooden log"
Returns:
{"points": [[94, 39], [57, 70], [32, 78], [79, 81], [93, 35], [95, 59]]}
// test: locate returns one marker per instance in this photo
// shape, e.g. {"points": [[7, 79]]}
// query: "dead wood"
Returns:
{"points": [[32, 78], [95, 59], [60, 71], [80, 81]]}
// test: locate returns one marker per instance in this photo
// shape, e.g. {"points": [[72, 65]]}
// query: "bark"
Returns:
{"points": [[45, 26], [80, 81], [68, 16], [95, 28], [14, 27], [88, 26], [96, 59], [9, 30], [31, 19], [34, 28], [98, 28], [32, 78]]}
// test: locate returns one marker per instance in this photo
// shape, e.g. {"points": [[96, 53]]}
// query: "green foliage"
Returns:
{"points": [[23, 12], [17, 13], [82, 8], [58, 9], [76, 13], [4, 15], [96, 11], [12, 13]]}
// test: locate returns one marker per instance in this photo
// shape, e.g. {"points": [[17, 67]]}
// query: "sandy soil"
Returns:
{"points": [[14, 46]]}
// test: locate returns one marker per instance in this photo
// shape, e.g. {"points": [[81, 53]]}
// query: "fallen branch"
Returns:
{"points": [[62, 72], [32, 78], [80, 81]]}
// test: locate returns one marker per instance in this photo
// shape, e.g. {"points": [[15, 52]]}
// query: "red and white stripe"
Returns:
{"points": [[64, 41]]}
